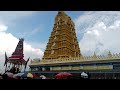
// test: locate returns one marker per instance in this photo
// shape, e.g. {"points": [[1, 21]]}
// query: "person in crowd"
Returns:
{"points": [[5, 76]]}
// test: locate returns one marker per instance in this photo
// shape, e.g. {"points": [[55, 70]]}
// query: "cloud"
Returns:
{"points": [[11, 16], [32, 52], [100, 32], [41, 45], [30, 32], [3, 28], [8, 43]]}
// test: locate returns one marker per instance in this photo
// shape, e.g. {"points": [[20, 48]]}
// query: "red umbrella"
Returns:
{"points": [[63, 75], [34, 75]]}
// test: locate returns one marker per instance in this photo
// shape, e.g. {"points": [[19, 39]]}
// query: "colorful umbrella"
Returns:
{"points": [[63, 75], [17, 75], [24, 75], [27, 75], [30, 75]]}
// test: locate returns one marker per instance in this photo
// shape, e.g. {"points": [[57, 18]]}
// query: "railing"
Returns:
{"points": [[78, 59]]}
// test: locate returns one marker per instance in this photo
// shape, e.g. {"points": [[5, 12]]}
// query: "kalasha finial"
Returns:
{"points": [[61, 12]]}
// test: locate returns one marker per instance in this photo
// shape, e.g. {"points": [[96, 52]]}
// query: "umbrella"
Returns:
{"points": [[83, 74], [17, 75], [42, 76], [30, 75], [27, 75], [34, 75], [63, 75], [9, 74], [23, 75]]}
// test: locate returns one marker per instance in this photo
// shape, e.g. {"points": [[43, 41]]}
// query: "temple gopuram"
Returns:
{"points": [[63, 52]]}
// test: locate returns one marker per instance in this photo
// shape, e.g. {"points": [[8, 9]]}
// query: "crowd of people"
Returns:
{"points": [[82, 75], [14, 70]]}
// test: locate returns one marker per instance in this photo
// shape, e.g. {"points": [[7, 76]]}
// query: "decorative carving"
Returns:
{"points": [[52, 52], [77, 59], [109, 55], [94, 56]]}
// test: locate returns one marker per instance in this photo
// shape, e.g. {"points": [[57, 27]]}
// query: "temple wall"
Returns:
{"points": [[65, 68], [89, 68], [76, 68], [56, 68], [102, 67], [105, 67]]}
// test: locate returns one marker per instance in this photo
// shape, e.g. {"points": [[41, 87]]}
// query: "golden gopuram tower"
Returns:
{"points": [[63, 41]]}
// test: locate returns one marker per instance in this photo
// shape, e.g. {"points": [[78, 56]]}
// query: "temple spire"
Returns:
{"points": [[94, 56], [109, 54], [63, 40], [61, 12]]}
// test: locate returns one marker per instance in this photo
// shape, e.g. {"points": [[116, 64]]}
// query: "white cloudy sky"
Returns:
{"points": [[97, 31], [100, 32]]}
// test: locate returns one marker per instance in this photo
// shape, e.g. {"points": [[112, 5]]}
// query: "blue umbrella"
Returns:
{"points": [[18, 74], [27, 75]]}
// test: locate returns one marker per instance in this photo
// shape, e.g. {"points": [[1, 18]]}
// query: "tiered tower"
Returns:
{"points": [[19, 49], [63, 41]]}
